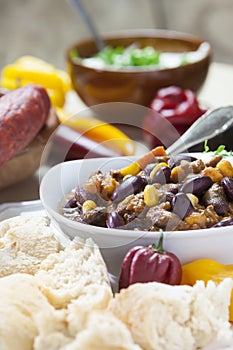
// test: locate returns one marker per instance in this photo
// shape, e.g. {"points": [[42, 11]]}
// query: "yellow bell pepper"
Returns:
{"points": [[98, 131], [29, 69], [135, 167], [207, 269]]}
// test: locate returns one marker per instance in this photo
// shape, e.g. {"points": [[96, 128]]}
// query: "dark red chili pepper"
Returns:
{"points": [[175, 103], [150, 264], [179, 106]]}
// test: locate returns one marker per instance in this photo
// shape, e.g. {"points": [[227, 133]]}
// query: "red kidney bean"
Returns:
{"points": [[216, 196], [72, 203], [114, 220], [198, 185], [225, 222], [81, 195], [181, 205], [162, 176], [132, 185], [227, 184], [96, 217], [176, 160], [221, 207]]}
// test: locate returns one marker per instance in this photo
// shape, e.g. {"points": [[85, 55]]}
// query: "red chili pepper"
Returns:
{"points": [[179, 106], [150, 264]]}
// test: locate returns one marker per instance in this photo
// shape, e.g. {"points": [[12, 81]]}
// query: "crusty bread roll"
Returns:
{"points": [[24, 242], [99, 330], [162, 317], [20, 302], [102, 330], [68, 303], [78, 272], [52, 330]]}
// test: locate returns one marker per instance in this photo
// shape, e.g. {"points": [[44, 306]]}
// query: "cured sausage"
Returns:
{"points": [[3, 91], [23, 112]]}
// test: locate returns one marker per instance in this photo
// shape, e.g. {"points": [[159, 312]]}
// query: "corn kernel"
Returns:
{"points": [[126, 177], [196, 219], [213, 173], [156, 168], [177, 174], [193, 199], [151, 196], [88, 205], [225, 168]]}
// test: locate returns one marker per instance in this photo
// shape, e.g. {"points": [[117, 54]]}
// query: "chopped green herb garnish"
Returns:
{"points": [[133, 56], [206, 147], [219, 151], [130, 56]]}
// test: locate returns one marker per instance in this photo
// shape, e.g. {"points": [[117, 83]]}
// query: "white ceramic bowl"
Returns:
{"points": [[214, 243]]}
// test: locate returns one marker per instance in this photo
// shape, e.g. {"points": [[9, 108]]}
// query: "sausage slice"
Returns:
{"points": [[23, 112]]}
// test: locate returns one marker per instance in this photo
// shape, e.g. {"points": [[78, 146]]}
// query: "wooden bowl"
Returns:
{"points": [[96, 86]]}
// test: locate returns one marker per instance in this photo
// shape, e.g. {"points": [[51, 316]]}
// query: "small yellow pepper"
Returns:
{"points": [[29, 69], [98, 131], [205, 270], [135, 167]]}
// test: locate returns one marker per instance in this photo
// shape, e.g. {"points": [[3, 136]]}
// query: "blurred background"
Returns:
{"points": [[45, 28]]}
